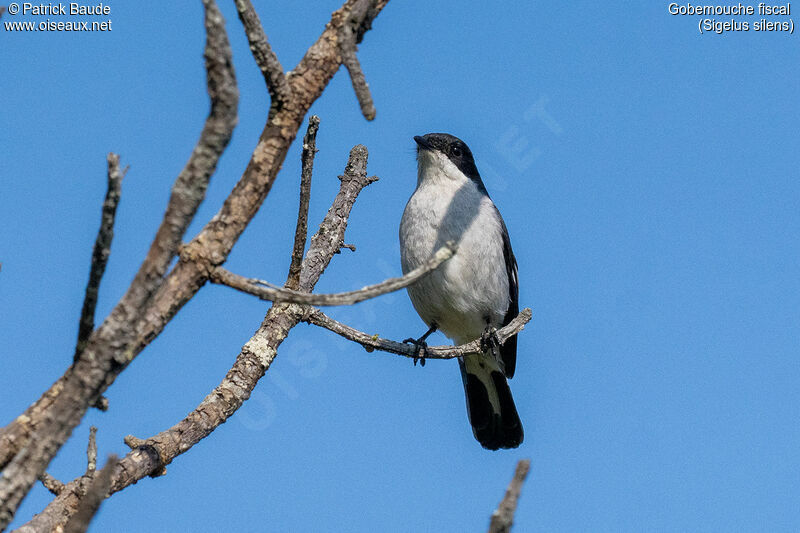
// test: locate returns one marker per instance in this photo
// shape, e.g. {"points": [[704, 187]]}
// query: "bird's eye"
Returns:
{"points": [[456, 151]]}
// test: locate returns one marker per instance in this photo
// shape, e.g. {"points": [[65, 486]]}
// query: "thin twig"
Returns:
{"points": [[51, 483], [267, 61], [375, 342], [503, 516], [301, 230], [90, 503], [257, 288], [91, 451], [359, 81], [101, 251], [349, 51]]}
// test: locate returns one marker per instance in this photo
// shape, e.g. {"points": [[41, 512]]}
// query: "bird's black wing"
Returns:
{"points": [[508, 351]]}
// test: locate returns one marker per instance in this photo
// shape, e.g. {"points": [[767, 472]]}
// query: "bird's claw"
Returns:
{"points": [[420, 350], [490, 340]]}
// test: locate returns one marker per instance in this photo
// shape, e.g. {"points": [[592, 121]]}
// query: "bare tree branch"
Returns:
{"points": [[190, 187], [503, 516], [95, 494], [51, 483], [59, 510], [212, 245], [265, 58], [257, 354], [33, 438], [68, 496], [29, 442], [154, 297], [101, 251], [330, 237], [91, 451], [301, 231], [374, 342], [277, 294], [348, 49], [149, 457], [351, 31]]}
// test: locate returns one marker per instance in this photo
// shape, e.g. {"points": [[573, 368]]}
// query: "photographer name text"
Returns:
{"points": [[71, 9], [52, 11]]}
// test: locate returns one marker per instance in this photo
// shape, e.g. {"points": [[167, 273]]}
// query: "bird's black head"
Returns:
{"points": [[454, 148]]}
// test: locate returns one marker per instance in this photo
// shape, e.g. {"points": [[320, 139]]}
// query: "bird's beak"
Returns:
{"points": [[423, 143]]}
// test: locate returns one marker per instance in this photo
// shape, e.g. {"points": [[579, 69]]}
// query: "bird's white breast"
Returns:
{"points": [[470, 290]]}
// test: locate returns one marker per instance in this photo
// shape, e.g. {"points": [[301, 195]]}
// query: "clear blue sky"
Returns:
{"points": [[653, 209]]}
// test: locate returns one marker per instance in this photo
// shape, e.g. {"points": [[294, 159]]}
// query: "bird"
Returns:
{"points": [[472, 294]]}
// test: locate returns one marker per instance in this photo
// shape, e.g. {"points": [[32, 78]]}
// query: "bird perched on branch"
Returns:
{"points": [[476, 291]]}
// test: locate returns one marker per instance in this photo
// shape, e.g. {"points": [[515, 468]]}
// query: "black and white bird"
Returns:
{"points": [[475, 292]]}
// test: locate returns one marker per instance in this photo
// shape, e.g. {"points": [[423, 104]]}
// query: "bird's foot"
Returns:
{"points": [[490, 340], [420, 349]]}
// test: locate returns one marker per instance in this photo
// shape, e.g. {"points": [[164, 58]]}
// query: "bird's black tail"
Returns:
{"points": [[490, 406]]}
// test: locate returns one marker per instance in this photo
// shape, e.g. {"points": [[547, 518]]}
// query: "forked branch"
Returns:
{"points": [[95, 494], [149, 457]]}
